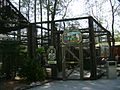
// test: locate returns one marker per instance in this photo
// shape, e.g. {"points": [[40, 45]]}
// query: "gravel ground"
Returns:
{"points": [[101, 84]]}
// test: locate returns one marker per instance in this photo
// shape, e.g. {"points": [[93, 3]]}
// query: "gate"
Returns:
{"points": [[72, 55]]}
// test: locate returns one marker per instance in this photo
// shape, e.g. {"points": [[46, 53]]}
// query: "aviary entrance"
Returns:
{"points": [[72, 54]]}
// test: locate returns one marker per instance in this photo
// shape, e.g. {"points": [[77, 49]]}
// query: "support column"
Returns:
{"points": [[92, 50], [32, 41], [81, 61], [110, 47], [63, 62]]}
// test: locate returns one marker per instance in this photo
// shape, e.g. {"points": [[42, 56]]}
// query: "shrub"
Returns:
{"points": [[32, 71]]}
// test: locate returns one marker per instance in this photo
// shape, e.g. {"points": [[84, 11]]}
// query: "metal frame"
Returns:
{"points": [[10, 18]]}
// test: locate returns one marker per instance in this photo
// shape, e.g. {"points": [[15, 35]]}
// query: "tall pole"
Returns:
{"points": [[92, 50], [35, 29], [35, 11], [113, 41], [18, 32], [48, 25], [28, 11], [41, 21], [53, 24]]}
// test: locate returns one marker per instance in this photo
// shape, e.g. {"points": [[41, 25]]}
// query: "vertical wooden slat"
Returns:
{"points": [[81, 61]]}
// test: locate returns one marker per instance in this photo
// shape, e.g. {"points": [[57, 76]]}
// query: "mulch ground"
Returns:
{"points": [[11, 84], [17, 85]]}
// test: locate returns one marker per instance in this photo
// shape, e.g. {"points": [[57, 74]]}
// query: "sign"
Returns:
{"points": [[72, 37], [52, 55]]}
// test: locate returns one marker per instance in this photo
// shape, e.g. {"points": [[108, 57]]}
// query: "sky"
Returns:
{"points": [[77, 8]]}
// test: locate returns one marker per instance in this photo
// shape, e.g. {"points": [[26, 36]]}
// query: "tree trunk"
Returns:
{"points": [[41, 21], [48, 24], [53, 24], [113, 41]]}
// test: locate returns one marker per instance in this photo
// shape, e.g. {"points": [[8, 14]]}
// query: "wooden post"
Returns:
{"points": [[81, 61], [92, 50], [32, 41], [63, 62]]}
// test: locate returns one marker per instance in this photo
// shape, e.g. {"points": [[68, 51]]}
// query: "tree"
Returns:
{"points": [[98, 10], [95, 9], [53, 7], [113, 10]]}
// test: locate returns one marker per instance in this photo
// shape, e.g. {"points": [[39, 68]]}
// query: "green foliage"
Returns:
{"points": [[40, 50], [117, 37], [8, 46], [12, 56], [32, 71]]}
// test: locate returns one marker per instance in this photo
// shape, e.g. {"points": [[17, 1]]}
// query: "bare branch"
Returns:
{"points": [[116, 8], [66, 7]]}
